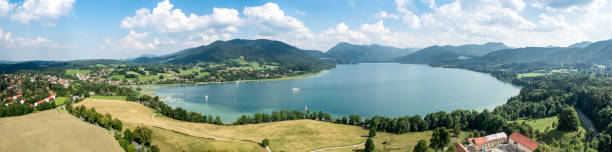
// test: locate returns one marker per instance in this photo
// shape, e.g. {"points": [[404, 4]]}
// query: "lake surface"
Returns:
{"points": [[368, 89]]}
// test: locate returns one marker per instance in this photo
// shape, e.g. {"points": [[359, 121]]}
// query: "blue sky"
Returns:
{"points": [[75, 29]]}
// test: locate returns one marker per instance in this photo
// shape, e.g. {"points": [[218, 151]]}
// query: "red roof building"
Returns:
{"points": [[486, 142], [460, 147], [522, 143]]}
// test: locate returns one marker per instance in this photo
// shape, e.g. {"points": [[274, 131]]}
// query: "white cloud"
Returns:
{"points": [[270, 20], [167, 19], [378, 28], [39, 9], [385, 15], [7, 40], [5, 7]]}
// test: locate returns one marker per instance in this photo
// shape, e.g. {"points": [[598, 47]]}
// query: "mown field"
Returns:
{"points": [[539, 124], [53, 131], [297, 135]]}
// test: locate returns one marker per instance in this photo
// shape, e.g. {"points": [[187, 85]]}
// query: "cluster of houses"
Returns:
{"points": [[516, 142], [16, 81]]}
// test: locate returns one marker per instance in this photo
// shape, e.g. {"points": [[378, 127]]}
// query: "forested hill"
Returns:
{"points": [[595, 53], [437, 54], [261, 50], [367, 53]]}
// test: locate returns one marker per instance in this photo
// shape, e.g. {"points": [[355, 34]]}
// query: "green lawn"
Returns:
{"points": [[117, 77], [75, 71], [108, 97], [539, 124], [60, 100]]}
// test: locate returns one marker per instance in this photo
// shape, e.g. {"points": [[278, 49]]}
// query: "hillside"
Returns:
{"points": [[596, 53], [367, 53], [436, 54], [54, 131], [252, 50], [325, 56]]}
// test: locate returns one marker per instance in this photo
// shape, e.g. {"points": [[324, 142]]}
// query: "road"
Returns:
{"points": [[587, 121]]}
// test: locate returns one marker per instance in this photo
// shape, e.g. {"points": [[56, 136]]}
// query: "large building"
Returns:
{"points": [[486, 142], [520, 142], [460, 148]]}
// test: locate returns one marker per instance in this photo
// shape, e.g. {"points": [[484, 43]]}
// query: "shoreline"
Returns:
{"points": [[149, 88]]}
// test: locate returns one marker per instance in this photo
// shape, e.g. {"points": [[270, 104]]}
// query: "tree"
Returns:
{"points": [[143, 135], [439, 138], [127, 135], [154, 148], [605, 143], [372, 132], [369, 145], [131, 148], [542, 148], [265, 142], [451, 148], [117, 124], [494, 124], [421, 146], [568, 119]]}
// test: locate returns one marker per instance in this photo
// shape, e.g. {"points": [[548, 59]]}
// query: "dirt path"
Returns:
{"points": [[211, 136], [339, 147]]}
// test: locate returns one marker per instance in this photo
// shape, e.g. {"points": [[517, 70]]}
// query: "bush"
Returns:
{"points": [[369, 145], [154, 148], [265, 142], [143, 135]]}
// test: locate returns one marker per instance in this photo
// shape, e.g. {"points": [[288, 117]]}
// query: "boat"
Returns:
{"points": [[296, 89]]}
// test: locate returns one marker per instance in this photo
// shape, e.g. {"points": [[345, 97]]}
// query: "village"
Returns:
{"points": [[31, 90], [499, 142]]}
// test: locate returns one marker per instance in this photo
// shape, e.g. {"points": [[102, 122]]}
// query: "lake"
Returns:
{"points": [[368, 89]]}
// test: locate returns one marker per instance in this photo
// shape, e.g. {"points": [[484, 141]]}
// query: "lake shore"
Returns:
{"points": [[150, 89]]}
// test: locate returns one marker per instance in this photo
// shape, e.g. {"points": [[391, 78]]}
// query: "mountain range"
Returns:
{"points": [[434, 54], [270, 51], [367, 53]]}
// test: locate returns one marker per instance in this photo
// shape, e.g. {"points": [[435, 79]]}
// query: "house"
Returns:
{"points": [[460, 148], [520, 142], [486, 142]]}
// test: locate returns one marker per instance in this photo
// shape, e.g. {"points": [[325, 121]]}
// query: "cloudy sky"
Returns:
{"points": [[71, 29]]}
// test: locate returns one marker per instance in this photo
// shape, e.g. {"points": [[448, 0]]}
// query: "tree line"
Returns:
{"points": [[141, 134]]}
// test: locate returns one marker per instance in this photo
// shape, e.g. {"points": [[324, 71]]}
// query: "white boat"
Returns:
{"points": [[296, 89]]}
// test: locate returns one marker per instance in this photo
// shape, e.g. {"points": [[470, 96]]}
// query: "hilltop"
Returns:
{"points": [[367, 53]]}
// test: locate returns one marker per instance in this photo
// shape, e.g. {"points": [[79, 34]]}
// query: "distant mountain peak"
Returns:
{"points": [[367, 53]]}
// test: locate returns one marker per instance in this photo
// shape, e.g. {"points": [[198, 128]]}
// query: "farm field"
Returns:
{"points": [[296, 135], [54, 131]]}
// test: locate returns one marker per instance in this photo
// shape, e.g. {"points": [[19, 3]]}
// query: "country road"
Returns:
{"points": [[587, 121]]}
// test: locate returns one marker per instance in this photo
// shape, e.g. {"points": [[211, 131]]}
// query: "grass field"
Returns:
{"points": [[75, 71], [108, 97], [296, 135], [53, 131], [60, 100], [539, 124]]}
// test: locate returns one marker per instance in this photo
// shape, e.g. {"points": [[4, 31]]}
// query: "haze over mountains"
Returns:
{"points": [[367, 53], [277, 52], [447, 53]]}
